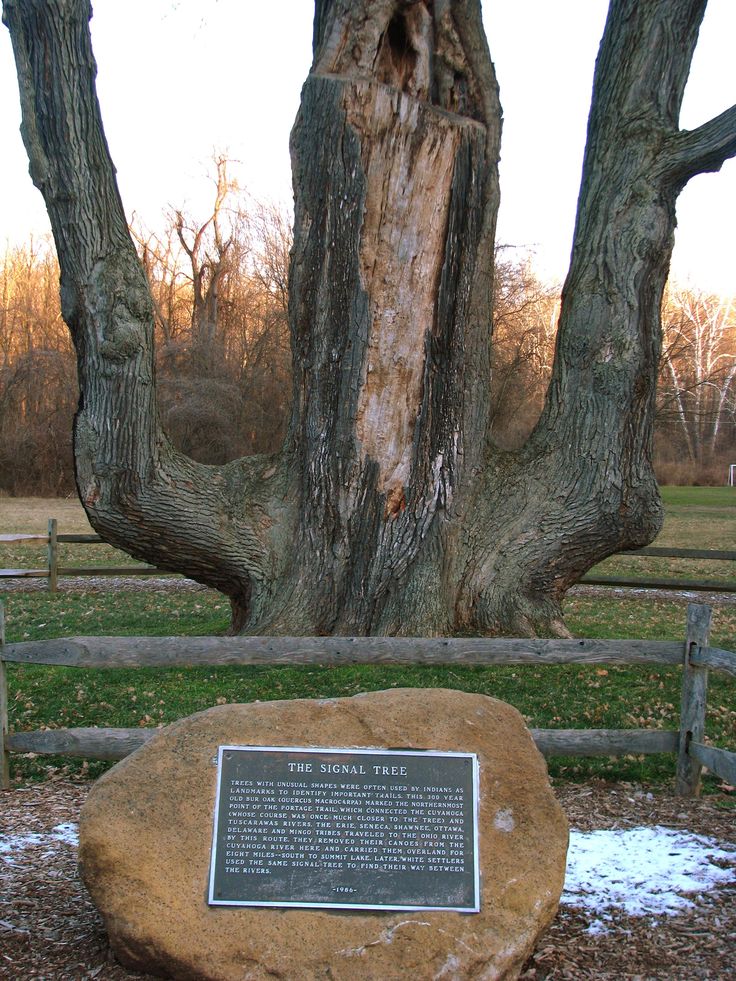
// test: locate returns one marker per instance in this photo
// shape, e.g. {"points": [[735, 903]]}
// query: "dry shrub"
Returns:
{"points": [[675, 469]]}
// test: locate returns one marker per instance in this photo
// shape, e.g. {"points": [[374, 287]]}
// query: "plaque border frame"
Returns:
{"points": [[366, 751]]}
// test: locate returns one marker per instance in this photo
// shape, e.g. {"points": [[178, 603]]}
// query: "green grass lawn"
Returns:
{"points": [[548, 697], [695, 517], [699, 497]]}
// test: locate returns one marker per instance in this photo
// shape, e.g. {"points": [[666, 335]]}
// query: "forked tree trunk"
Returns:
{"points": [[389, 510]]}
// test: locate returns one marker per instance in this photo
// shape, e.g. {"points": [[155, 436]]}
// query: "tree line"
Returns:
{"points": [[220, 291], [219, 286]]}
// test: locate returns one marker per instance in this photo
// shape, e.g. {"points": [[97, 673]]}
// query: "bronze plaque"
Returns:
{"points": [[345, 828]]}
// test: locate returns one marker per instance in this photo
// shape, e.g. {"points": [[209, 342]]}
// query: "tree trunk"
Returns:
{"points": [[389, 510]]}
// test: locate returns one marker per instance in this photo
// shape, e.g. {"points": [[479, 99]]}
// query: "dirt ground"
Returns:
{"points": [[49, 929]]}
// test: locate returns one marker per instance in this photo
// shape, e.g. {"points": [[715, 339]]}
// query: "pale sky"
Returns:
{"points": [[181, 79]]}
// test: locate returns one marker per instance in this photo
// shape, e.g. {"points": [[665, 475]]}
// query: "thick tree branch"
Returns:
{"points": [[586, 482], [702, 150], [138, 492]]}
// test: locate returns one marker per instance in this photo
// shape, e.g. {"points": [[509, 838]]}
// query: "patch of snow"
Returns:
{"points": [[597, 926], [67, 834], [642, 871], [64, 834], [648, 871], [9, 844]]}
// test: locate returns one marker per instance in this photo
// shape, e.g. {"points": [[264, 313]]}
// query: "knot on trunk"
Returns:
{"points": [[411, 45]]}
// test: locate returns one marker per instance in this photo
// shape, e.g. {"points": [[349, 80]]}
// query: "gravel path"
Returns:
{"points": [[135, 584], [86, 584]]}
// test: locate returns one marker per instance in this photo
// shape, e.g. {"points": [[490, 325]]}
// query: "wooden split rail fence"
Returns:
{"points": [[54, 569], [695, 656]]}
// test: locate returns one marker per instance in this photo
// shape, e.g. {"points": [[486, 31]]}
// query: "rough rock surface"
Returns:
{"points": [[146, 834]]}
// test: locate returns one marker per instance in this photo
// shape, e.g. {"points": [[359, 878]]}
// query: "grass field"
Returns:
{"points": [[549, 697], [695, 517]]}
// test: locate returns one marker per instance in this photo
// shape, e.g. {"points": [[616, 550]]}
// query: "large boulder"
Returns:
{"points": [[146, 834]]}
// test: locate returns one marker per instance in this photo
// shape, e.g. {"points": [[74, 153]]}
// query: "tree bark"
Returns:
{"points": [[389, 510]]}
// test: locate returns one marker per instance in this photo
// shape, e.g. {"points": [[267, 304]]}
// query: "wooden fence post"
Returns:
{"points": [[53, 555], [694, 695], [4, 725]]}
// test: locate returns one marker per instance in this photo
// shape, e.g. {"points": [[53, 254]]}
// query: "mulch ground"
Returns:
{"points": [[49, 929]]}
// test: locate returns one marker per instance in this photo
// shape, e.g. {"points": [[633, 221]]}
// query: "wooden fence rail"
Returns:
{"points": [[695, 656], [52, 539]]}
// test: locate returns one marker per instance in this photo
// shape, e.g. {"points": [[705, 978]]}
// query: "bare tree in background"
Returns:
{"points": [[697, 391], [214, 410], [219, 289], [390, 509], [38, 392], [525, 314]]}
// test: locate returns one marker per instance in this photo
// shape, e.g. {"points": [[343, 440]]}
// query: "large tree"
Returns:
{"points": [[389, 509]]}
